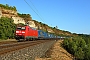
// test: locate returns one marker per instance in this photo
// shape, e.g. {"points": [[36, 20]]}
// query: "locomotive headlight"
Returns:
{"points": [[23, 32], [17, 31]]}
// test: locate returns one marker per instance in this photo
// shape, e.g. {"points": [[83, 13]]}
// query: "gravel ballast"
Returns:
{"points": [[28, 53]]}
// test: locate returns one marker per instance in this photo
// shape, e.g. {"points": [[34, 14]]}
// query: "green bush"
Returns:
{"points": [[7, 28], [78, 47], [8, 7]]}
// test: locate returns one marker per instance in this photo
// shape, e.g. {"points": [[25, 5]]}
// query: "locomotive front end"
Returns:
{"points": [[20, 33]]}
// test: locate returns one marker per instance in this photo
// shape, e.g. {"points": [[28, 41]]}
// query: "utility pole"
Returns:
{"points": [[56, 27]]}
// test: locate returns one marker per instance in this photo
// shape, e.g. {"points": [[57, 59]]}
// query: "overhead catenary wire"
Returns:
{"points": [[36, 9], [33, 10], [6, 1]]}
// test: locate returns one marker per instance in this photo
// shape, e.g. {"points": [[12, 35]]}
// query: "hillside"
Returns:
{"points": [[56, 52], [11, 12], [55, 30], [7, 11]]}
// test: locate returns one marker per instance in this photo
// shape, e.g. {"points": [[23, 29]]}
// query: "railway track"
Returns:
{"points": [[6, 48], [7, 42]]}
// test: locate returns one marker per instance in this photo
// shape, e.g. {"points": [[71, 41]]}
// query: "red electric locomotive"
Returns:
{"points": [[26, 33]]}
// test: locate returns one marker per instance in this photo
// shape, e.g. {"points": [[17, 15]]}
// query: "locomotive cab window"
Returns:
{"points": [[21, 28]]}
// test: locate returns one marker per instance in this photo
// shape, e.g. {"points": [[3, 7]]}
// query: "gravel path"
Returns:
{"points": [[56, 53]]}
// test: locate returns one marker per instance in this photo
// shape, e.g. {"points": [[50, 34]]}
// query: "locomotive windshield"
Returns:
{"points": [[21, 28]]}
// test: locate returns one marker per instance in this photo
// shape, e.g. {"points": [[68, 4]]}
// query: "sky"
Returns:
{"points": [[68, 15]]}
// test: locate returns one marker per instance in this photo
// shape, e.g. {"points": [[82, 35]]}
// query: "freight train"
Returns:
{"points": [[28, 33]]}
